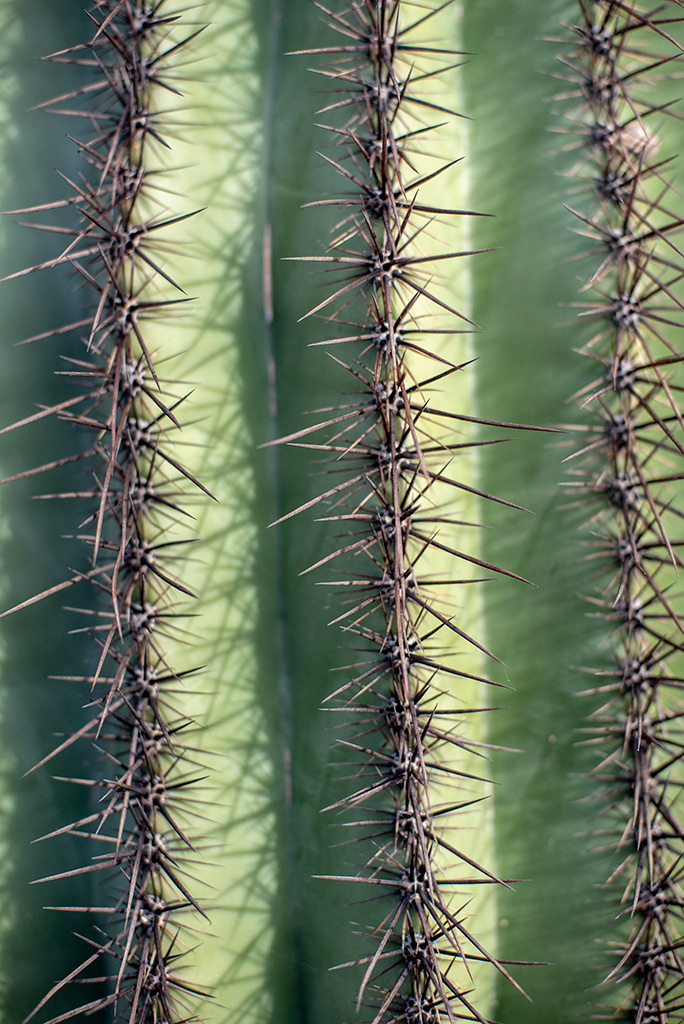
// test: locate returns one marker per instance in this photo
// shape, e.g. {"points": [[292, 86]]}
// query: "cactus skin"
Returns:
{"points": [[248, 980]]}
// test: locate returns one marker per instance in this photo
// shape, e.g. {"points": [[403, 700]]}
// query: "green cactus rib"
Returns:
{"points": [[138, 824], [628, 470], [401, 491]]}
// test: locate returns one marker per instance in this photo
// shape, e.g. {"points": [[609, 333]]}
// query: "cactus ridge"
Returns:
{"points": [[129, 415], [394, 460], [629, 470]]}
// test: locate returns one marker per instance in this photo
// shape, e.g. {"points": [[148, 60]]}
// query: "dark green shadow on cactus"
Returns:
{"points": [[38, 947], [527, 371], [329, 918]]}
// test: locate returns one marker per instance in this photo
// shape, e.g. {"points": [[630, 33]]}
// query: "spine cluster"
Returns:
{"points": [[630, 470], [396, 451], [134, 487]]}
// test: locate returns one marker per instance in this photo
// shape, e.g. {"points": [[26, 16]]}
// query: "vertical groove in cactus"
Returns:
{"points": [[627, 470], [247, 956]]}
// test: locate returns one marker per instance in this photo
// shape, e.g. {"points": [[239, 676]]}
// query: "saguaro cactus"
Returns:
{"points": [[205, 313]]}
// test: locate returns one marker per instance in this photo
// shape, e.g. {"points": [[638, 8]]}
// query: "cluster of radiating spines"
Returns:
{"points": [[134, 486], [395, 451], [631, 469]]}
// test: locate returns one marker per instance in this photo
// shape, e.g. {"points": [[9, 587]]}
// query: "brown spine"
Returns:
{"points": [[630, 470]]}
